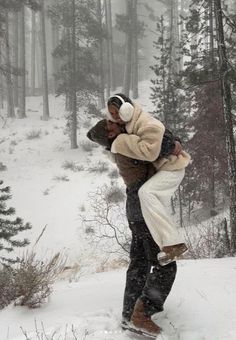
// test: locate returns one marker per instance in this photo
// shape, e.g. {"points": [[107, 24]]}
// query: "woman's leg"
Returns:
{"points": [[155, 196]]}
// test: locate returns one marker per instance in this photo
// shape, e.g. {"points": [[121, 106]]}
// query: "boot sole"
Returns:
{"points": [[164, 259], [139, 332]]}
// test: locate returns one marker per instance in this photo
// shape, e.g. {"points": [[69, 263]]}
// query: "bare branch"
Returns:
{"points": [[40, 236], [108, 222]]}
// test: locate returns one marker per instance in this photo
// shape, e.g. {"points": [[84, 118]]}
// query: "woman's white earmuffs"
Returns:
{"points": [[126, 110]]}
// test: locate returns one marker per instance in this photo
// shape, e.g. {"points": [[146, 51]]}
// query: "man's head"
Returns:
{"points": [[120, 109], [104, 133]]}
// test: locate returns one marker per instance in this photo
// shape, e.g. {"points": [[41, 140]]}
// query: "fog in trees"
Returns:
{"points": [[84, 51]]}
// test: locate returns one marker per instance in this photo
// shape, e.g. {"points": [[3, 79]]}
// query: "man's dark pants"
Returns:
{"points": [[145, 278]]}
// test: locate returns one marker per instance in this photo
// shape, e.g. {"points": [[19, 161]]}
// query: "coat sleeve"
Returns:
{"points": [[145, 146]]}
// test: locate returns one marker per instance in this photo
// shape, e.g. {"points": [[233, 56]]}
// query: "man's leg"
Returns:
{"points": [[159, 279], [137, 271]]}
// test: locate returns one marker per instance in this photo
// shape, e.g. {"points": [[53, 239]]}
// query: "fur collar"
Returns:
{"points": [[137, 112]]}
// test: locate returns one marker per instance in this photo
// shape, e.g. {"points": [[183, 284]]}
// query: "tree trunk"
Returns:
{"points": [[10, 103], [108, 87], [135, 51], [110, 43], [226, 94], [163, 74], [212, 185], [211, 32], [182, 13], [38, 61], [1, 81], [176, 36], [15, 58], [73, 128], [67, 38], [22, 113], [128, 52], [44, 63], [212, 75], [172, 42], [55, 33], [55, 42], [170, 67], [101, 63], [33, 50], [194, 42]]}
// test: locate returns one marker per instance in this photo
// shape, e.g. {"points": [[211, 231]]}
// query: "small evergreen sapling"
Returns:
{"points": [[9, 227]]}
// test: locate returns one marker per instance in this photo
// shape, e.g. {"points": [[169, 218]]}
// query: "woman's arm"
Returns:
{"points": [[145, 146]]}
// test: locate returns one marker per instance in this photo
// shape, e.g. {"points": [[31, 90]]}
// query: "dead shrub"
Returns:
{"points": [[100, 167], [41, 333], [208, 240], [87, 124], [115, 195], [7, 287], [113, 174], [112, 265], [3, 167], [88, 146], [106, 222], [34, 279], [69, 165], [34, 134], [61, 178], [72, 166]]}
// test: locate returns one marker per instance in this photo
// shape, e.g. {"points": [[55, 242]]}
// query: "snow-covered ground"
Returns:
{"points": [[43, 192], [201, 305]]}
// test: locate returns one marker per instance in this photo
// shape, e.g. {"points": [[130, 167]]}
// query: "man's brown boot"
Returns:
{"points": [[171, 253], [143, 322]]}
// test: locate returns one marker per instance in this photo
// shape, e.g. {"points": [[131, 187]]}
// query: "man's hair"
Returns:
{"points": [[99, 134]]}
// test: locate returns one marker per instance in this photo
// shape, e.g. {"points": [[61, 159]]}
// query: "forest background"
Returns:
{"points": [[59, 63]]}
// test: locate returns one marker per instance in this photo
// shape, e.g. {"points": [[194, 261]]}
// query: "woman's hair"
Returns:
{"points": [[117, 102]]}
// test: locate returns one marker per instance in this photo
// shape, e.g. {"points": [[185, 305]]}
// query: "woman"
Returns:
{"points": [[143, 141]]}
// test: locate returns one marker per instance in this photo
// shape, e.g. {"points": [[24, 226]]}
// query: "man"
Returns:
{"points": [[147, 283]]}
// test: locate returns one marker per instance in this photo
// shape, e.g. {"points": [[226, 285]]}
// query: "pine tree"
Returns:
{"points": [[207, 177], [207, 147], [14, 5], [78, 76], [168, 99], [133, 29], [228, 117], [9, 68], [9, 227], [201, 76]]}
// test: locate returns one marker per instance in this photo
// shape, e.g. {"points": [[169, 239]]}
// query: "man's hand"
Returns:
{"points": [[177, 149]]}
